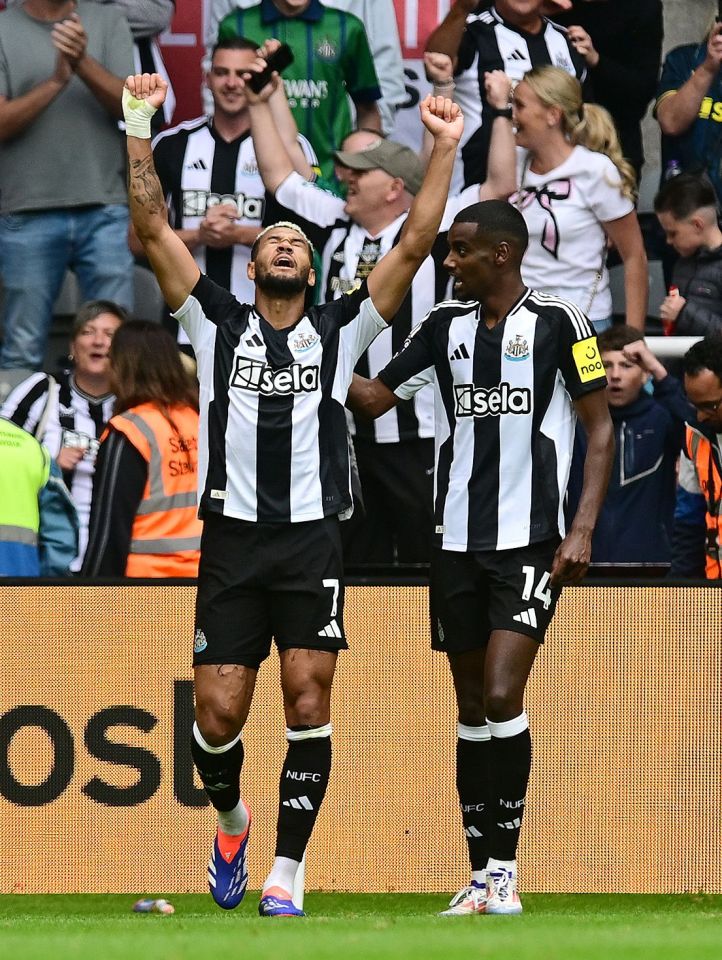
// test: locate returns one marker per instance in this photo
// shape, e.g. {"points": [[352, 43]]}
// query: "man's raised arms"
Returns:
{"points": [[391, 278], [173, 265]]}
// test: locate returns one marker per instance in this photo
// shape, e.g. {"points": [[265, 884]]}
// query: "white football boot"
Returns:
{"points": [[501, 892], [467, 902]]}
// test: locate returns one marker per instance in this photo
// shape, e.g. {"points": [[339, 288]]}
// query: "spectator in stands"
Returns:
{"points": [[332, 62], [68, 412], [513, 36], [689, 108], [144, 521], [395, 454], [146, 21], [62, 192], [635, 523], [576, 193], [379, 20], [697, 543], [38, 526], [621, 43], [207, 168], [687, 209]]}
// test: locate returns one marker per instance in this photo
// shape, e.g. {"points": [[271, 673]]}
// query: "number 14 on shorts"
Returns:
{"points": [[541, 591]]}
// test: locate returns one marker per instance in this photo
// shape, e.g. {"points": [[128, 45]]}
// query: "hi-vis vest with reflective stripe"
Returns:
{"points": [[166, 535], [705, 455], [24, 467]]}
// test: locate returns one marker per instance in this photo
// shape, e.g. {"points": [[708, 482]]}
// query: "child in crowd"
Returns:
{"points": [[686, 207], [635, 524]]}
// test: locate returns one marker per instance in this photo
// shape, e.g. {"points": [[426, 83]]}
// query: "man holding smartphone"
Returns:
{"points": [[332, 62], [689, 108]]}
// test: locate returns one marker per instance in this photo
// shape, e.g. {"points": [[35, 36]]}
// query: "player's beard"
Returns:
{"points": [[282, 286]]}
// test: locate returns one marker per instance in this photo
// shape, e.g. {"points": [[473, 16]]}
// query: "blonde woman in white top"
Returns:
{"points": [[576, 193]]}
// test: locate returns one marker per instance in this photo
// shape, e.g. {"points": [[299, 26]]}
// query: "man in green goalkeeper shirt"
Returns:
{"points": [[332, 63]]}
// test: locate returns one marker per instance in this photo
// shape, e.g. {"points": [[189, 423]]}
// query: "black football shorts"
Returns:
{"points": [[259, 581], [472, 594]]}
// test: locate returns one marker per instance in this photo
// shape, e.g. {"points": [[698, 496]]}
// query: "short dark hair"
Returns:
{"points": [[704, 355], [684, 194], [498, 219], [617, 337], [92, 309], [235, 43]]}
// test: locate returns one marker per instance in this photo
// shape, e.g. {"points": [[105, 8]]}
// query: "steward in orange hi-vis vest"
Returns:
{"points": [[705, 456], [165, 539]]}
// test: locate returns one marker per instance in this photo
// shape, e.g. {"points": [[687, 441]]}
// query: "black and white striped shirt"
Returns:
{"points": [[273, 441], [504, 415], [491, 43], [348, 254], [61, 415], [198, 169]]}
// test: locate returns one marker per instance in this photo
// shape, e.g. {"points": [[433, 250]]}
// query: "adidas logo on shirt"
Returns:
{"points": [[199, 164], [515, 55], [461, 353], [330, 630], [527, 616]]}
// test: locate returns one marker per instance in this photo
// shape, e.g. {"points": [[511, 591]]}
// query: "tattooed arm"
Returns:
{"points": [[172, 263]]}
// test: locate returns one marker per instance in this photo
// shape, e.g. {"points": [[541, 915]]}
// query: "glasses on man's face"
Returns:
{"points": [[708, 406]]}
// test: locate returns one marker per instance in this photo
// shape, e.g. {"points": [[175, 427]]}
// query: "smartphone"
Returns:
{"points": [[276, 63]]}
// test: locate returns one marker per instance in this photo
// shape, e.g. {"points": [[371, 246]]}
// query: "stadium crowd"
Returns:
{"points": [[578, 163], [289, 222]]}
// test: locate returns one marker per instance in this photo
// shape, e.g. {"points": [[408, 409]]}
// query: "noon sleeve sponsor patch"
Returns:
{"points": [[588, 360]]}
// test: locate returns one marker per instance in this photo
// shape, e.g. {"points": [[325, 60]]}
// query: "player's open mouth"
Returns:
{"points": [[284, 262]]}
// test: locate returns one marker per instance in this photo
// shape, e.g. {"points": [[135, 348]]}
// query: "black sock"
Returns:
{"points": [[303, 783], [472, 784], [511, 764], [220, 773]]}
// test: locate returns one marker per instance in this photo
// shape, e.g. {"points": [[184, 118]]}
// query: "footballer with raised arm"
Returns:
{"points": [[273, 480], [513, 369]]}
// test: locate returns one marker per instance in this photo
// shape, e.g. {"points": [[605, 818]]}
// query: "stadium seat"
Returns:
{"points": [[9, 379]]}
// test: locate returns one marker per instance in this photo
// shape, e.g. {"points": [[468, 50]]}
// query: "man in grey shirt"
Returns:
{"points": [[62, 172]]}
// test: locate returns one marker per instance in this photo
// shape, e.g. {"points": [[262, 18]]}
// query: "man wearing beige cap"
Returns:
{"points": [[395, 453]]}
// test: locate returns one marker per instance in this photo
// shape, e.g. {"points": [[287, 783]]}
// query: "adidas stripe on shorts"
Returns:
{"points": [[264, 581], [473, 593]]}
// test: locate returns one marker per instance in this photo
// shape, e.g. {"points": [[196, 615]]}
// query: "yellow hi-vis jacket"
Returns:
{"points": [[24, 469]]}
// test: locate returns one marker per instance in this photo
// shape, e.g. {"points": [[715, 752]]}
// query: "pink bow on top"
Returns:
{"points": [[545, 195]]}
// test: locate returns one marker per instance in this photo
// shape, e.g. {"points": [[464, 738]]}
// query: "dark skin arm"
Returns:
{"points": [[369, 398], [447, 36], [571, 560]]}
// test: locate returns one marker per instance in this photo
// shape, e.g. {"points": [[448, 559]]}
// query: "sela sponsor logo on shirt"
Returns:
{"points": [[75, 438], [587, 359], [342, 285], [517, 349], [197, 202], [304, 341], [474, 401], [258, 377]]}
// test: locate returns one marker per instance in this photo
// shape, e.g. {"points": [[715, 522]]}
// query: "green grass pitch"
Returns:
{"points": [[369, 926]]}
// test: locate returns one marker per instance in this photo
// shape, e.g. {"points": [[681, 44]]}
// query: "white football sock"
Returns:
{"points": [[233, 822], [283, 873]]}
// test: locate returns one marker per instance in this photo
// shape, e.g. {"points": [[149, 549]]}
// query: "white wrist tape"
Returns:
{"points": [[137, 114]]}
